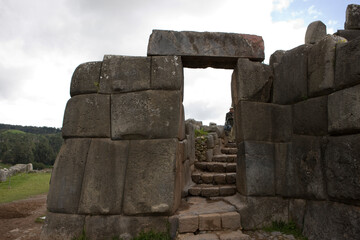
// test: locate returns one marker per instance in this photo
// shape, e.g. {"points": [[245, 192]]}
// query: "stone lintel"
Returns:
{"points": [[206, 49]]}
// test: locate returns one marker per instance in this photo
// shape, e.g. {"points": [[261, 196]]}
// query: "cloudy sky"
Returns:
{"points": [[43, 41]]}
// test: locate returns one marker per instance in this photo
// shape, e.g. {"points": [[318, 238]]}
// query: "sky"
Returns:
{"points": [[43, 41]]}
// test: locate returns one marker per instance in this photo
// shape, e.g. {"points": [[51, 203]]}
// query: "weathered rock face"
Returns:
{"points": [[315, 32], [205, 49], [85, 78], [352, 17], [251, 81], [290, 76]]}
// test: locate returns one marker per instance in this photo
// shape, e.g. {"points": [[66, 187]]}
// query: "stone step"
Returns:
{"points": [[218, 235], [209, 190], [231, 145], [229, 150], [220, 167], [213, 178], [224, 158]]}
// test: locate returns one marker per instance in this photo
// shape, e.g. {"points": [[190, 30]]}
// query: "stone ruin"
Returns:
{"points": [[128, 154]]}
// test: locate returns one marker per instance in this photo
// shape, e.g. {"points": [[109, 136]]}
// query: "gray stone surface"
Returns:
{"points": [[87, 115], [310, 117], [352, 17], [262, 122], [152, 184], [62, 226], [185, 177], [190, 136], [86, 78], [67, 176], [297, 209], [321, 67], [290, 76], [107, 227], [167, 73], [304, 169], [327, 220], [275, 58], [348, 34], [124, 74], [251, 81], [315, 32], [206, 49], [256, 169], [104, 177], [344, 111], [147, 115], [258, 212], [198, 205], [347, 66], [281, 151], [342, 156]]}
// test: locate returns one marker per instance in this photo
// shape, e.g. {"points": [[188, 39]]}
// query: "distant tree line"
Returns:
{"points": [[38, 146]]}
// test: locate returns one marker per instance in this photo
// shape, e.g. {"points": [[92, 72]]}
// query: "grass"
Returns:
{"points": [[4, 165], [24, 185], [286, 228]]}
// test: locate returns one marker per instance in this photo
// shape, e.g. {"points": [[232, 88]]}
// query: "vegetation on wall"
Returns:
{"points": [[38, 146]]}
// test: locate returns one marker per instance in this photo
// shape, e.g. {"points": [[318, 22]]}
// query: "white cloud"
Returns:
{"points": [[279, 5], [313, 12], [332, 22], [297, 13]]}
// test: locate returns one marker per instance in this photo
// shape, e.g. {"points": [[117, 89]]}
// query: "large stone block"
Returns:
{"points": [[305, 169], [262, 122], [321, 66], [251, 81], [147, 115], [117, 226], [259, 212], [290, 76], [347, 66], [352, 16], [62, 226], [297, 209], [67, 176], [85, 78], [328, 220], [124, 74], [348, 34], [206, 49], [87, 116], [104, 177], [152, 184], [281, 151], [256, 169], [167, 73], [342, 156], [315, 32], [344, 111], [310, 117]]}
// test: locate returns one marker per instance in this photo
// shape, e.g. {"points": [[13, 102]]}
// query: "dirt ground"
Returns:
{"points": [[17, 219]]}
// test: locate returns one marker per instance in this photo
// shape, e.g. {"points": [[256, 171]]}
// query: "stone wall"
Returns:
{"points": [[299, 140]]}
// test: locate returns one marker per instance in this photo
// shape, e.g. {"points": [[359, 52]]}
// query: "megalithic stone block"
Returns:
{"points": [[321, 67], [251, 81], [256, 169], [347, 66], [104, 177], [124, 74], [315, 32], [67, 176], [342, 156], [352, 17], [87, 115], [167, 73], [147, 115], [344, 111], [290, 76], [152, 184], [257, 121], [85, 78], [205, 49]]}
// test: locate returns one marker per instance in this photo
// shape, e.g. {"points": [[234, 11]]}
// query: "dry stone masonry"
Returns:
{"points": [[128, 162]]}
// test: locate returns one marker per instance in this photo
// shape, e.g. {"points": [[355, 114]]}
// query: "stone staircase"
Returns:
{"points": [[216, 177]]}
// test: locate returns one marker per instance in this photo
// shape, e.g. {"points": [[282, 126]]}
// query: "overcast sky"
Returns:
{"points": [[43, 41]]}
